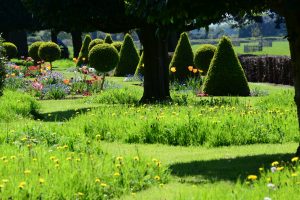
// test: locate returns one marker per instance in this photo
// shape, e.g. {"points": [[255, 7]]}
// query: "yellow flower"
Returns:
{"points": [[68, 158], [252, 177], [78, 159], [57, 166], [195, 71], [75, 59], [136, 158], [294, 174], [80, 194], [118, 165], [97, 180], [200, 70], [280, 168], [275, 163], [52, 157], [34, 159], [269, 179], [41, 181], [261, 169], [13, 75], [190, 68], [295, 159], [98, 137], [22, 185], [117, 174], [103, 184], [83, 59], [5, 181], [119, 158], [173, 69], [26, 172], [157, 178], [154, 160]]}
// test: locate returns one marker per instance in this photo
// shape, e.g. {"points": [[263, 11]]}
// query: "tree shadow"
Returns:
{"points": [[230, 169], [61, 115]]}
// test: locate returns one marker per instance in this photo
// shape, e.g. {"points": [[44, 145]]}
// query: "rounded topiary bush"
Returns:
{"points": [[182, 59], [95, 42], [203, 56], [84, 51], [225, 75], [129, 58], [10, 50], [103, 57], [49, 51], [118, 45], [108, 39], [33, 50]]}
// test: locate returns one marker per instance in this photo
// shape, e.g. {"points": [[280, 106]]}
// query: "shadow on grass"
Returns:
{"points": [[61, 115], [197, 172]]}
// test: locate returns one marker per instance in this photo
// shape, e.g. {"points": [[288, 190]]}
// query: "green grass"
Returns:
{"points": [[280, 48]]}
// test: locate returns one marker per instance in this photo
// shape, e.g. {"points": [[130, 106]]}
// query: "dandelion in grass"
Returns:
{"points": [[80, 194], [136, 158], [280, 168], [275, 163], [22, 185], [252, 177], [157, 178], [103, 185], [294, 174], [116, 174], [295, 159], [5, 181], [27, 172], [41, 181], [97, 180]]}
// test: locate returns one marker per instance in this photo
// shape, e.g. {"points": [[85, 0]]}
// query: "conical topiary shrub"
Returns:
{"points": [[226, 75], [84, 51], [183, 58], [139, 71], [108, 39], [129, 58], [203, 57]]}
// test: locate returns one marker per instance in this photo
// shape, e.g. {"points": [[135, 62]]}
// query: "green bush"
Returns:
{"points": [[118, 45], [2, 69], [33, 50], [11, 50], [95, 42], [129, 58], [203, 57], [226, 75], [103, 57], [84, 51], [182, 59], [49, 51], [140, 67], [108, 39]]}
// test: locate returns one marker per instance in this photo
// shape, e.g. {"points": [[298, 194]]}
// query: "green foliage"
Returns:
{"points": [[84, 51], [226, 75], [118, 45], [203, 57], [2, 68], [33, 50], [49, 51], [11, 50], [183, 58], [129, 58], [108, 39], [95, 42], [140, 67], [103, 57]]}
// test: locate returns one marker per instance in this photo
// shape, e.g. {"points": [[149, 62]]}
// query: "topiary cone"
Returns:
{"points": [[183, 58], [225, 75], [84, 51], [108, 39], [129, 58]]}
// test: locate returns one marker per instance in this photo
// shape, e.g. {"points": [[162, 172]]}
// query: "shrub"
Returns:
{"points": [[225, 75], [108, 39], [203, 57], [140, 67], [2, 69], [95, 42], [11, 50], [118, 45], [33, 50], [103, 57], [49, 52], [84, 51], [129, 58], [183, 58]]}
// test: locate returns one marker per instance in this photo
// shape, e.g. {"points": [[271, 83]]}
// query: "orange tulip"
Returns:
{"points": [[190, 68], [195, 71], [66, 81]]}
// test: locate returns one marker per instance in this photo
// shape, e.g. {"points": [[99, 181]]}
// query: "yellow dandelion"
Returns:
{"points": [[5, 181], [161, 185], [157, 178], [13, 157], [97, 180], [1, 186], [280, 168], [118, 165], [119, 158], [69, 158], [269, 179], [41, 181], [78, 159], [103, 185], [52, 157], [252, 177], [117, 174], [136, 158], [27, 172], [80, 194], [57, 166], [173, 69], [294, 174], [22, 185], [261, 169], [34, 159], [154, 160], [275, 163], [295, 159]]}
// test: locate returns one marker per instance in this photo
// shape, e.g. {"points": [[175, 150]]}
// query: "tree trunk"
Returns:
{"points": [[156, 79], [77, 42], [19, 38], [293, 28], [54, 34]]}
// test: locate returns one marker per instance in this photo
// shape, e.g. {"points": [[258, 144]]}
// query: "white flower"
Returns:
{"points": [[273, 169], [271, 186], [267, 198]]}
